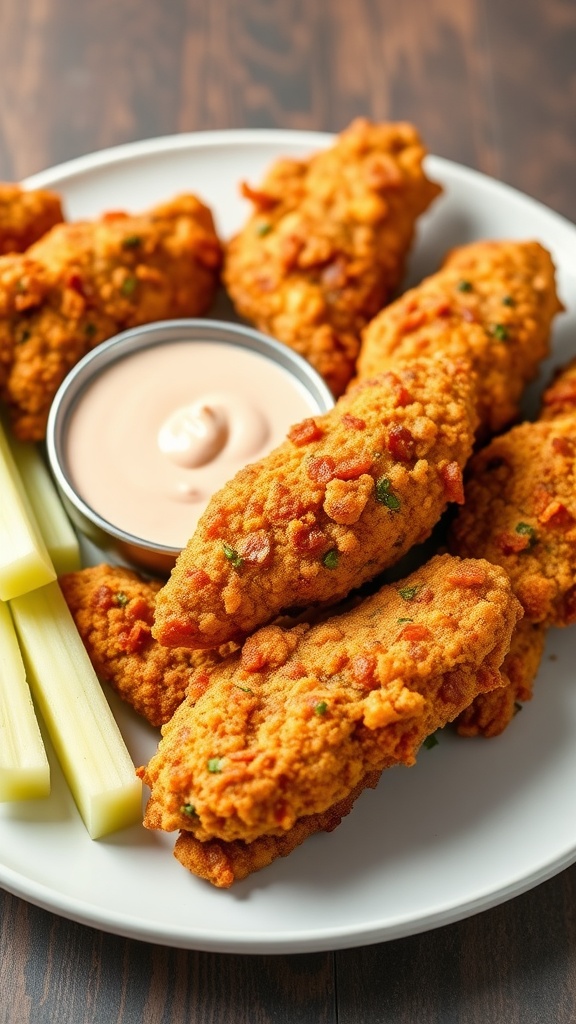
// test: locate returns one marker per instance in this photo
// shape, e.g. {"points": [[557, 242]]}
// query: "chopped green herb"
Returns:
{"points": [[121, 599], [499, 331], [214, 765], [385, 496], [431, 741], [464, 286], [263, 228], [245, 689], [321, 708], [404, 620], [331, 559], [90, 329], [132, 242], [232, 555], [128, 286], [508, 301], [189, 809], [525, 530], [408, 593]]}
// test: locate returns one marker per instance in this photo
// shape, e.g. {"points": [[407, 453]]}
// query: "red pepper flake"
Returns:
{"points": [[351, 469], [178, 633], [414, 632], [134, 640], [263, 200], [103, 598], [198, 578], [556, 515], [512, 543], [400, 443], [321, 469], [305, 432], [353, 422], [468, 576], [138, 608], [451, 476]]}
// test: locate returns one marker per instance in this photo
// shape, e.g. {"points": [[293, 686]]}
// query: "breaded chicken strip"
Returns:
{"points": [[559, 398], [326, 245], [113, 609], [84, 282], [26, 215], [520, 513], [345, 496], [223, 863], [289, 726], [490, 713], [492, 303]]}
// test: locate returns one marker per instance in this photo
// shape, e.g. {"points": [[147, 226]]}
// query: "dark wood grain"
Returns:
{"points": [[491, 84]]}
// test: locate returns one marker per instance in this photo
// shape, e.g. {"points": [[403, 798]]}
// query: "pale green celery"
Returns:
{"points": [[85, 736], [57, 530], [24, 769], [24, 560]]}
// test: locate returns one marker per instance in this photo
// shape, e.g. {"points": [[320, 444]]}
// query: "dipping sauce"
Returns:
{"points": [[158, 431]]}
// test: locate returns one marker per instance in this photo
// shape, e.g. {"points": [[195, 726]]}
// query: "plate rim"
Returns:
{"points": [[330, 937]]}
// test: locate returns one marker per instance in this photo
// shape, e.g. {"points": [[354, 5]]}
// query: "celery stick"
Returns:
{"points": [[24, 560], [87, 741], [56, 528], [24, 769]]}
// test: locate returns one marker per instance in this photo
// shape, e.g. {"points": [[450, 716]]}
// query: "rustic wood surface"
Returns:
{"points": [[491, 84]]}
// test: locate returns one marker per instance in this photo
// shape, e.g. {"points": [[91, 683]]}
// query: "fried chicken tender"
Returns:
{"points": [[113, 609], [83, 282], [326, 245], [559, 398], [520, 513], [26, 215], [345, 496], [490, 713], [223, 863], [292, 723], [492, 303]]}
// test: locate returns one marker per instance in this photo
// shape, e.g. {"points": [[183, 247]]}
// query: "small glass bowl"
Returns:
{"points": [[145, 554]]}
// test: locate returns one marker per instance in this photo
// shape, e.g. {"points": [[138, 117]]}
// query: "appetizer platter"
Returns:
{"points": [[476, 820]]}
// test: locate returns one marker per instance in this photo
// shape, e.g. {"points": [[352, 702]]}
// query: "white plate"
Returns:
{"points": [[474, 823]]}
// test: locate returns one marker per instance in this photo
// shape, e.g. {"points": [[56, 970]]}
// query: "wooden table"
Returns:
{"points": [[491, 84]]}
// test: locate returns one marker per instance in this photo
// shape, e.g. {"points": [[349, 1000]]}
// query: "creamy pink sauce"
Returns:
{"points": [[158, 432]]}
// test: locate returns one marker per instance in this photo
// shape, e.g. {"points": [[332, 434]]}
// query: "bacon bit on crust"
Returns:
{"points": [[400, 443], [309, 539], [305, 432], [414, 631], [178, 633], [556, 514], [255, 548], [468, 576], [198, 578], [354, 422], [451, 476], [351, 469], [321, 469], [363, 667], [563, 445], [512, 543]]}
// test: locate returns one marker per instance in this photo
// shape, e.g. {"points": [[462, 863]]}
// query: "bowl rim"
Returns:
{"points": [[135, 339]]}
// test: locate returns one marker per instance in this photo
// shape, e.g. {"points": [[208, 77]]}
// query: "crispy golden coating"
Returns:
{"points": [[559, 398], [83, 282], [520, 513], [345, 496], [26, 215], [290, 725], [326, 245], [490, 713], [113, 608], [492, 303], [223, 863]]}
